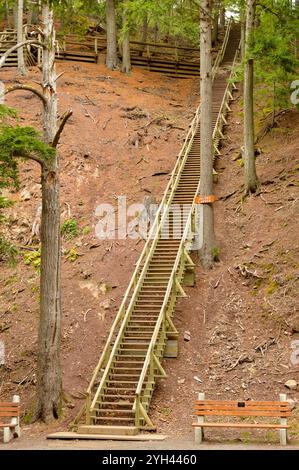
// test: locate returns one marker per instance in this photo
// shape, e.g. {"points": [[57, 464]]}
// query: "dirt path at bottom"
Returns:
{"points": [[185, 442]]}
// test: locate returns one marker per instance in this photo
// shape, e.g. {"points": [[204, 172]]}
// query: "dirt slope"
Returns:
{"points": [[242, 316]]}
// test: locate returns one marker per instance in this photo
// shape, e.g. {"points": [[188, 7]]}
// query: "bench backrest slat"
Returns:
{"points": [[4, 404], [270, 414], [8, 414], [9, 410], [247, 408]]}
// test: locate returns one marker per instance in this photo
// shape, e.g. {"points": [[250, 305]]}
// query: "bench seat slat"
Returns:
{"points": [[246, 407], [240, 425], [236, 412], [7, 425]]}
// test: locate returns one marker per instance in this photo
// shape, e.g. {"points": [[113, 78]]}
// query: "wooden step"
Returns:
{"points": [[107, 430]]}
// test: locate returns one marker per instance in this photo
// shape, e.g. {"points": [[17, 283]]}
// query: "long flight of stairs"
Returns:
{"points": [[114, 408]]}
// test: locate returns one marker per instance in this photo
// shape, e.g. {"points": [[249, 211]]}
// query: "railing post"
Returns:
{"points": [[39, 52], [88, 402], [137, 411]]}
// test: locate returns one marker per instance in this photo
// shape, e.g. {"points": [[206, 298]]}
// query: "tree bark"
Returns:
{"points": [[222, 17], [49, 385], [215, 24], [126, 53], [8, 22], [21, 61], [243, 30], [111, 58], [206, 135], [251, 180], [144, 34]]}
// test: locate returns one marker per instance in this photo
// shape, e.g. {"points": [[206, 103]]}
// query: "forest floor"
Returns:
{"points": [[242, 317]]}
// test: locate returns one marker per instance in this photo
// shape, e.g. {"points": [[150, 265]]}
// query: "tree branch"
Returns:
{"points": [[33, 42], [29, 156], [64, 120], [27, 88]]}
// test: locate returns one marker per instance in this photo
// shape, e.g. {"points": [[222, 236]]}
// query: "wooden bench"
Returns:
{"points": [[10, 411], [272, 409]]}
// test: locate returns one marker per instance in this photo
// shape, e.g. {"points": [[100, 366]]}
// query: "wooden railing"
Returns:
{"points": [[120, 323]]}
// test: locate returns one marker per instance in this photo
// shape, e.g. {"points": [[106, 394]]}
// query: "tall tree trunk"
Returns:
{"points": [[49, 386], [243, 30], [21, 62], [7, 15], [222, 17], [206, 134], [126, 53], [144, 34], [15, 16], [215, 23], [251, 180], [111, 58]]}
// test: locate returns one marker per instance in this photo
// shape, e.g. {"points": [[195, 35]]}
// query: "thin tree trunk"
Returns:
{"points": [[21, 61], [49, 386], [111, 58], [144, 34], [126, 53], [8, 22], [15, 16], [251, 180], [243, 31], [222, 17], [215, 23], [206, 134]]}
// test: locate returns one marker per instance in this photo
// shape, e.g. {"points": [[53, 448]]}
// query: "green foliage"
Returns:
{"points": [[69, 229], [33, 258], [72, 255], [6, 112], [216, 254], [172, 17], [8, 252], [86, 230], [273, 48]]}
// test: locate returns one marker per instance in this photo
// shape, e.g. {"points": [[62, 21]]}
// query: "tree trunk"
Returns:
{"points": [[243, 31], [21, 61], [144, 34], [222, 17], [15, 16], [7, 15], [251, 180], [111, 59], [126, 53], [206, 134], [215, 23], [49, 386]]}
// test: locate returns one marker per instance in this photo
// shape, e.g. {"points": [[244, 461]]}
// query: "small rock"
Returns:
{"points": [[25, 195], [106, 304], [292, 403], [187, 336], [291, 384], [181, 381], [197, 379], [227, 389]]}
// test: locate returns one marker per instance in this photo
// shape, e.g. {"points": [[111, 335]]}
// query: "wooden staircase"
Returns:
{"points": [[123, 382]]}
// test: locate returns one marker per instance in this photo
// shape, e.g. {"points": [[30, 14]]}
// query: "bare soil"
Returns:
{"points": [[242, 316]]}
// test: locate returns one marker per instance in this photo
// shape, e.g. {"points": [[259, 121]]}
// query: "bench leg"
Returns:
{"points": [[199, 432], [198, 435], [7, 435], [283, 433]]}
